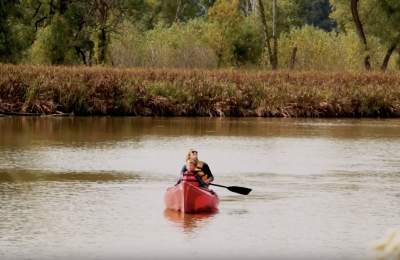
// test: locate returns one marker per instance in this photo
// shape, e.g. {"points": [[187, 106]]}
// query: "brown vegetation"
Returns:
{"points": [[144, 92]]}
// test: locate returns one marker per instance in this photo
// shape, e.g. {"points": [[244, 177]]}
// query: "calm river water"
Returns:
{"points": [[92, 188]]}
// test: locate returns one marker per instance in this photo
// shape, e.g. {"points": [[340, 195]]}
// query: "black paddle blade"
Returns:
{"points": [[240, 190]]}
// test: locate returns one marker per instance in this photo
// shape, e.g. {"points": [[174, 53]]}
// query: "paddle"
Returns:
{"points": [[240, 190]]}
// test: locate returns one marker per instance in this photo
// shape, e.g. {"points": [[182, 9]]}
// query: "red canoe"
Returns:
{"points": [[188, 197]]}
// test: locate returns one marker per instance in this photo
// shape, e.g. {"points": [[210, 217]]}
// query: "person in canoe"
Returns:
{"points": [[202, 170]]}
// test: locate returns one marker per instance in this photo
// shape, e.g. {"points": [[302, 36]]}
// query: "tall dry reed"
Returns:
{"points": [[144, 92]]}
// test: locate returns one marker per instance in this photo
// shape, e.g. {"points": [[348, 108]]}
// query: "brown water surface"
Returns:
{"points": [[92, 188]]}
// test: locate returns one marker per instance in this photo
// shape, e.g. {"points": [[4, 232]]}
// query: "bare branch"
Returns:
{"points": [[37, 9], [39, 21]]}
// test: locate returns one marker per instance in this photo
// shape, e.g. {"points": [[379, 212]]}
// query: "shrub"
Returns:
{"points": [[178, 46], [166, 92], [321, 50]]}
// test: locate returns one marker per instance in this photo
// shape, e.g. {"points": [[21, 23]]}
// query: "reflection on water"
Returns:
{"points": [[77, 131], [188, 222], [17, 176], [233, 146], [93, 188]]}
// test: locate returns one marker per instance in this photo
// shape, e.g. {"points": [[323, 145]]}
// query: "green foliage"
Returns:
{"points": [[321, 50], [316, 49], [178, 46], [167, 12], [9, 44], [316, 13], [195, 33], [380, 20], [287, 15], [248, 46], [235, 38], [53, 44], [224, 25], [5, 34], [126, 48], [192, 44]]}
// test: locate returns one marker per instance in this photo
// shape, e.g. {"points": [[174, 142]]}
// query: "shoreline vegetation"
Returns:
{"points": [[61, 90]]}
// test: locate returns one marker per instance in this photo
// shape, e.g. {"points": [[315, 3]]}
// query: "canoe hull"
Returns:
{"points": [[187, 197]]}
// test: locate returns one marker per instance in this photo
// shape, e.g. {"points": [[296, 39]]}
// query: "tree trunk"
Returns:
{"points": [[81, 54], [398, 59], [275, 53], [178, 11], [274, 36], [266, 32], [102, 44], [360, 31], [63, 6], [293, 58], [389, 53], [91, 60], [52, 8], [247, 6]]}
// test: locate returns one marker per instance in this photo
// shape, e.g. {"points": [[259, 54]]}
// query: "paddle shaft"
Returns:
{"points": [[218, 185], [236, 189]]}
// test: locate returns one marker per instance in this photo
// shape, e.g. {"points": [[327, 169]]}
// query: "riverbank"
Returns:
{"points": [[146, 92]]}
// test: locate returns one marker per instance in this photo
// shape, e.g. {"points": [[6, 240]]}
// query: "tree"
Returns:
{"points": [[390, 19], [167, 12], [316, 13], [9, 44], [267, 36], [224, 20], [370, 18], [105, 17], [248, 6], [286, 17], [52, 30], [360, 31]]}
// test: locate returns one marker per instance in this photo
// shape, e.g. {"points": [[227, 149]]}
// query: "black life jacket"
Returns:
{"points": [[199, 171]]}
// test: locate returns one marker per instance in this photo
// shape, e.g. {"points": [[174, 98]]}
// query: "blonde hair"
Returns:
{"points": [[189, 153], [191, 161]]}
